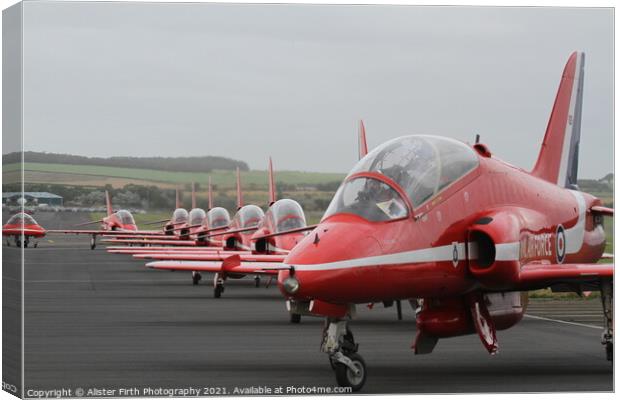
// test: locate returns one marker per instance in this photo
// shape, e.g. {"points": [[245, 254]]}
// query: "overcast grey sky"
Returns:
{"points": [[291, 81]]}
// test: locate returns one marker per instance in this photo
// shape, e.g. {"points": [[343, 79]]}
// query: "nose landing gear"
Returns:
{"points": [[218, 286], [341, 348], [93, 242], [196, 277]]}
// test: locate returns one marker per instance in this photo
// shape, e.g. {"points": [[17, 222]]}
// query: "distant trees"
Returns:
{"points": [[182, 164]]}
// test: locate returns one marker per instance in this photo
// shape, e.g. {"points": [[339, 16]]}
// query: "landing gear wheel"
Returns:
{"points": [[35, 245], [93, 243], [196, 277], [18, 243], [347, 378], [295, 318], [26, 242], [8, 243], [217, 291], [256, 281], [609, 349]]}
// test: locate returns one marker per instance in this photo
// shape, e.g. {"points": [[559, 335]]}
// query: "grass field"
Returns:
{"points": [[40, 172]]}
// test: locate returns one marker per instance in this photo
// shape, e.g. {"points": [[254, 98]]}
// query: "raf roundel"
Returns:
{"points": [[560, 244]]}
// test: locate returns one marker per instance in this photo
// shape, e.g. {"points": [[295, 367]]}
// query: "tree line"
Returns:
{"points": [[181, 164]]}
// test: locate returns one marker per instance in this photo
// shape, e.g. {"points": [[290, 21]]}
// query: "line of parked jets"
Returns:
{"points": [[459, 233]]}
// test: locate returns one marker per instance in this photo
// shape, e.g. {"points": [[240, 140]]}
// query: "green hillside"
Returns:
{"points": [[221, 178]]}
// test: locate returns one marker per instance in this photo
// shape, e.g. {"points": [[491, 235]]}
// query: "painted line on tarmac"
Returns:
{"points": [[563, 322]]}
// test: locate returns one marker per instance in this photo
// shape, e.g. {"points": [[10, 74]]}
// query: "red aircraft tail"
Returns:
{"points": [[239, 194], [559, 156], [193, 195], [272, 186], [108, 203], [362, 147], [178, 199], [210, 195]]}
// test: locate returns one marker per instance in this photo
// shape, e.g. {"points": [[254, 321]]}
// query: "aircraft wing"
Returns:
{"points": [[564, 276], [603, 210], [242, 267], [100, 232], [210, 257], [159, 242]]}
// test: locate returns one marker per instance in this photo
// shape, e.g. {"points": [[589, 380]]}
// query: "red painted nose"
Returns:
{"points": [[329, 260]]}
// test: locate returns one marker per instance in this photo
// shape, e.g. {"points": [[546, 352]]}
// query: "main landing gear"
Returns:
{"points": [[607, 339], [341, 348], [19, 242], [257, 281], [93, 242], [196, 277], [218, 285]]}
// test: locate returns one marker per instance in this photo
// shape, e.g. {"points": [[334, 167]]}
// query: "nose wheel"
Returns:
{"points": [[196, 277], [93, 242], [218, 286], [348, 365]]}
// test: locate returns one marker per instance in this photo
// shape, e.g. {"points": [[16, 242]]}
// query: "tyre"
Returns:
{"points": [[295, 318], [217, 292], [609, 349], [347, 378]]}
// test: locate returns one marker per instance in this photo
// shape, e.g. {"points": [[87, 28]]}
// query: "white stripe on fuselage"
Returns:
{"points": [[574, 236]]}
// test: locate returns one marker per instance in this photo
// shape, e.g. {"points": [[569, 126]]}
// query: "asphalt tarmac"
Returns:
{"points": [[100, 320]]}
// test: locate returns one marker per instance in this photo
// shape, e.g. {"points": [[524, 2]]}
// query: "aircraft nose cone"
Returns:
{"points": [[328, 260]]}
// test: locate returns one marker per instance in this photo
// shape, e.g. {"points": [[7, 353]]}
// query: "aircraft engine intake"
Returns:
{"points": [[493, 246]]}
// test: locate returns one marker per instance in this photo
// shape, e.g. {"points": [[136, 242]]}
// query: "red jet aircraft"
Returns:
{"points": [[431, 218], [277, 232], [116, 223], [22, 227]]}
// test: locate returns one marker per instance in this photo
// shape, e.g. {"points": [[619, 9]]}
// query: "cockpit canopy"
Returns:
{"points": [[217, 217], [180, 216], [20, 218], [287, 215], [249, 215], [125, 217], [197, 216], [421, 165]]}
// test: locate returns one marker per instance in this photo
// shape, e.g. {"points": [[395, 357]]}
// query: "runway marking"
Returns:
{"points": [[563, 322]]}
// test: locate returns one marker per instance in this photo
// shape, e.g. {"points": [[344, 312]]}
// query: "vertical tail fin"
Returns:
{"points": [[239, 194], [362, 147], [108, 203], [177, 203], [193, 195], [272, 186], [558, 159], [210, 195]]}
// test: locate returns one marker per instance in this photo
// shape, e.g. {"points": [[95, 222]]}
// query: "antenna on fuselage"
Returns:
{"points": [[477, 138]]}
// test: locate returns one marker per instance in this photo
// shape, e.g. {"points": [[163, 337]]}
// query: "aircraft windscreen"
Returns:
{"points": [[288, 215], [197, 216], [125, 217], [218, 217], [250, 215], [420, 165], [180, 215], [17, 219], [369, 198]]}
